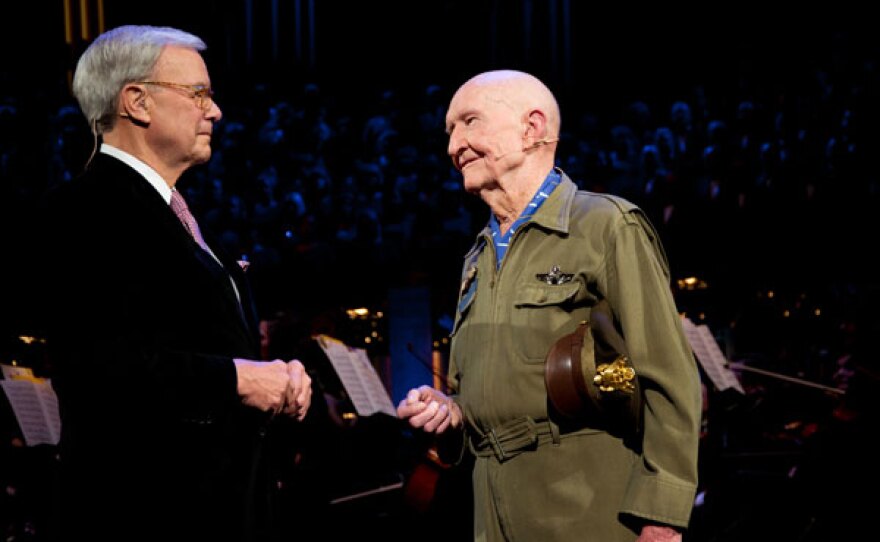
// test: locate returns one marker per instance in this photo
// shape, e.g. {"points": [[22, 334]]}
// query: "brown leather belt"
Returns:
{"points": [[512, 438]]}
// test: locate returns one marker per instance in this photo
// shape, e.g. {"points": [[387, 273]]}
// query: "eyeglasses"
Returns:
{"points": [[200, 93]]}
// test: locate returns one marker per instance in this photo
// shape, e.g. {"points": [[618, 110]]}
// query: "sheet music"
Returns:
{"points": [[16, 372], [358, 376], [710, 356], [35, 406]]}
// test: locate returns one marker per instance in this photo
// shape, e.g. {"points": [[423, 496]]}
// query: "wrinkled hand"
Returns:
{"points": [[430, 410], [658, 533], [262, 384], [298, 396]]}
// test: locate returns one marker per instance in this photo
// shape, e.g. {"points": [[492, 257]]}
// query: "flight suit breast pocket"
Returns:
{"points": [[542, 313]]}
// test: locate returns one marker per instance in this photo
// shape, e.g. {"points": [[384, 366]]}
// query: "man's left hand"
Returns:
{"points": [[659, 533], [298, 396]]}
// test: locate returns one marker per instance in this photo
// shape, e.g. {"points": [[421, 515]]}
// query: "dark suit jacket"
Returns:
{"points": [[142, 329]]}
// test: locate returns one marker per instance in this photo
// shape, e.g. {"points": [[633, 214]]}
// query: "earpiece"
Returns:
{"points": [[535, 145], [544, 141], [538, 143]]}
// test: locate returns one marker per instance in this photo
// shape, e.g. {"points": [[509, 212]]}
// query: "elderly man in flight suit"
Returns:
{"points": [[548, 255]]}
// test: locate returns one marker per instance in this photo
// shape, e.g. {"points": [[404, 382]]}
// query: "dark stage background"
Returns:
{"points": [[749, 135]]}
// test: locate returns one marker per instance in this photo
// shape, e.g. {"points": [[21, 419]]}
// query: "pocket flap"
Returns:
{"points": [[538, 295]]}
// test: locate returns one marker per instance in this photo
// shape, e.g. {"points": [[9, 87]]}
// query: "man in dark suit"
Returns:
{"points": [[152, 331]]}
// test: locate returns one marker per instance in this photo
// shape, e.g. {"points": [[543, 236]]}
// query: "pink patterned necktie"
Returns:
{"points": [[178, 205]]}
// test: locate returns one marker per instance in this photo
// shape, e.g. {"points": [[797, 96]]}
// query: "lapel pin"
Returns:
{"points": [[468, 278]]}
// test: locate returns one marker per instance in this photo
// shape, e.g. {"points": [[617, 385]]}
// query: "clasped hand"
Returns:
{"points": [[429, 409], [275, 386]]}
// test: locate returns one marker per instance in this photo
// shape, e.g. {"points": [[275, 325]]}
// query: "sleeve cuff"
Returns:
{"points": [[661, 501]]}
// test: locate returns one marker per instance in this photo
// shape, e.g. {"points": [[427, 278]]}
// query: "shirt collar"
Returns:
{"points": [[538, 198], [138, 165], [553, 215]]}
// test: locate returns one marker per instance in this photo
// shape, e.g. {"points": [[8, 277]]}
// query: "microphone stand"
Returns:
{"points": [[428, 365], [744, 367]]}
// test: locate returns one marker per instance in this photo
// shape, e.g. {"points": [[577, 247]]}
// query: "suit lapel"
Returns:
{"points": [[223, 272], [173, 230]]}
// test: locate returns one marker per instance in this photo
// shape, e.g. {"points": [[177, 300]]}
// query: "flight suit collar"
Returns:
{"points": [[555, 213]]}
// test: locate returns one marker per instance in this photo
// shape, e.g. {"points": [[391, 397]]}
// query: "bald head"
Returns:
{"points": [[520, 92]]}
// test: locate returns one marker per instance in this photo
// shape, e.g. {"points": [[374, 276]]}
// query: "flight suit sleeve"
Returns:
{"points": [[663, 482]]}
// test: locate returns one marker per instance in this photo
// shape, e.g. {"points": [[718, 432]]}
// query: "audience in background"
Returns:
{"points": [[764, 193]]}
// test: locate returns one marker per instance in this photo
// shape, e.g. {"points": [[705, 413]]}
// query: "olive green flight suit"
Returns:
{"points": [[584, 480]]}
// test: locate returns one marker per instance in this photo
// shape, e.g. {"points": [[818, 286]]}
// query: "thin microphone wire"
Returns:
{"points": [[94, 145]]}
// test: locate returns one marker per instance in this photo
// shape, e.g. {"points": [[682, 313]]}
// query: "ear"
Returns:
{"points": [[133, 103], [536, 127]]}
